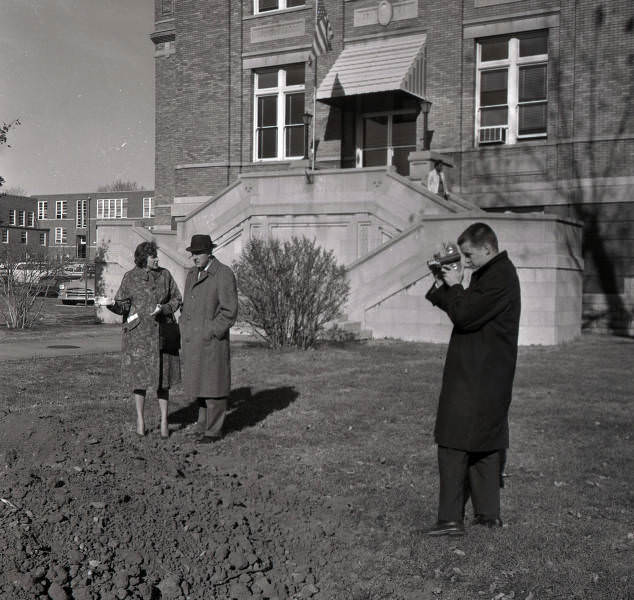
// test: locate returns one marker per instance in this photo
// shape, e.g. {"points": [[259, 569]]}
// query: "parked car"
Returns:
{"points": [[74, 291], [77, 270], [50, 286], [31, 272]]}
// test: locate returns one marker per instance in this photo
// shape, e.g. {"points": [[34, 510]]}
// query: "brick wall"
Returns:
{"points": [[205, 104]]}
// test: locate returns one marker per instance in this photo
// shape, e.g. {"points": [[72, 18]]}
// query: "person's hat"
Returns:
{"points": [[442, 162], [201, 243]]}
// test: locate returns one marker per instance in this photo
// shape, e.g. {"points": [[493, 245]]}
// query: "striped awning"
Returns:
{"points": [[396, 63]]}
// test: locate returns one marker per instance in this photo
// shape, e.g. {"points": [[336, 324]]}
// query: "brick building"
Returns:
{"points": [[20, 230], [72, 219], [530, 101]]}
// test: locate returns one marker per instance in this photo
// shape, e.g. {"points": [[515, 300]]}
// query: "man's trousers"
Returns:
{"points": [[211, 415], [464, 474]]}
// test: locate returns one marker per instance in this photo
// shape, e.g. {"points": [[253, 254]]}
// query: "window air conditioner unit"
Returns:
{"points": [[492, 135]]}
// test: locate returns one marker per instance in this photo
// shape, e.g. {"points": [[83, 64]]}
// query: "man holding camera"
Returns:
{"points": [[472, 419]]}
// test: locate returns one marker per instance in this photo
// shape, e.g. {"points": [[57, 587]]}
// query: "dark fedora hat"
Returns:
{"points": [[201, 242]]}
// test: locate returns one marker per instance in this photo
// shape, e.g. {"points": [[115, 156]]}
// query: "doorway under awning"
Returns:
{"points": [[380, 65]]}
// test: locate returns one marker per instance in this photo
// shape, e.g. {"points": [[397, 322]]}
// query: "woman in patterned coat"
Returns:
{"points": [[148, 298]]}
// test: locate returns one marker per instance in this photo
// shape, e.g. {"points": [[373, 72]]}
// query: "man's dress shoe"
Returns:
{"points": [[453, 528], [490, 523]]}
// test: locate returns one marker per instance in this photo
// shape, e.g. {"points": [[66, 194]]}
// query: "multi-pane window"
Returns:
{"points": [[42, 210], [148, 207], [511, 88], [267, 5], [22, 218], [31, 219], [13, 216], [111, 208], [61, 209], [24, 237], [60, 236], [278, 108], [43, 240], [388, 139], [81, 216], [167, 7], [5, 236]]}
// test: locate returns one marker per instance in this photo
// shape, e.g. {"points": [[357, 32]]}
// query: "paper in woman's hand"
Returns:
{"points": [[104, 301]]}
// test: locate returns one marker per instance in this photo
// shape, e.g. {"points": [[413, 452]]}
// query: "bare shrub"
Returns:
{"points": [[21, 277], [289, 290]]}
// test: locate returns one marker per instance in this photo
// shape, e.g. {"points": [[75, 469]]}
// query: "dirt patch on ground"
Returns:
{"points": [[90, 514], [321, 486]]}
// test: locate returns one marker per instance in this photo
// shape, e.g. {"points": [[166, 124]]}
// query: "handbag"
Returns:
{"points": [[169, 337]]}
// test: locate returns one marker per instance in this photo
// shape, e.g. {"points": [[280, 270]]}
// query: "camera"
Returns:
{"points": [[449, 255]]}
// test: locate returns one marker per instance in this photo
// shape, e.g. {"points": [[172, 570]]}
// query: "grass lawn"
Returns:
{"points": [[345, 432]]}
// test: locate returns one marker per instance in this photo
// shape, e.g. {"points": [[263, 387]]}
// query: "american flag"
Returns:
{"points": [[323, 33]]}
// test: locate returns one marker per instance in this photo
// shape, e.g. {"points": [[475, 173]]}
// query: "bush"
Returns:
{"points": [[24, 277], [289, 290]]}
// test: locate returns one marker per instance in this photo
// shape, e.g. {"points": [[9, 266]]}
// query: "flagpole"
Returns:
{"points": [[314, 94]]}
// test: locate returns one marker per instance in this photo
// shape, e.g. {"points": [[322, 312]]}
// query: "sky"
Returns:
{"points": [[79, 74]]}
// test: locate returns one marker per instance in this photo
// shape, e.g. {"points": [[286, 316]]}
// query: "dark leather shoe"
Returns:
{"points": [[195, 430], [207, 439], [446, 528], [490, 523]]}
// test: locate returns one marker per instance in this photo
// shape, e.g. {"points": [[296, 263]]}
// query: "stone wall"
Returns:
{"points": [[389, 285]]}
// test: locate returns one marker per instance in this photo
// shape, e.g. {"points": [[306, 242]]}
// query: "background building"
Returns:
{"points": [[20, 230], [72, 219]]}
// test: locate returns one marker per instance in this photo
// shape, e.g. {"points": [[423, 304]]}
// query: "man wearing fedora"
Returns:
{"points": [[210, 308], [436, 180]]}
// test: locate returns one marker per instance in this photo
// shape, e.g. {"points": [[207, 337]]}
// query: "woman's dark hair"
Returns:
{"points": [[478, 235], [143, 250]]}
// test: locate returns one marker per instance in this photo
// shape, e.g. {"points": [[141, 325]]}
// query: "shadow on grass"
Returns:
{"points": [[246, 409]]}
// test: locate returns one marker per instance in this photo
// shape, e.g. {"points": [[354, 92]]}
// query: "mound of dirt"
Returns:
{"points": [[92, 515]]}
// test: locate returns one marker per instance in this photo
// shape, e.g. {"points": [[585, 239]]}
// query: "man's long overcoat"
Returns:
{"points": [[210, 308], [480, 366]]}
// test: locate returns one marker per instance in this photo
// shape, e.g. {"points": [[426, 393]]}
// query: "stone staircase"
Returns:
{"points": [[383, 227]]}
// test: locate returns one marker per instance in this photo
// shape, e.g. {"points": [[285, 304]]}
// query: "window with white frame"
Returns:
{"points": [[267, 5], [148, 207], [13, 216], [111, 208], [511, 88], [278, 110], [22, 218], [24, 237], [167, 7], [61, 209], [42, 210], [31, 219], [43, 240], [5, 236], [81, 214], [60, 236]]}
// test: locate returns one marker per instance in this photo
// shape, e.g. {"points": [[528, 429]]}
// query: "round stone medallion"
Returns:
{"points": [[385, 12]]}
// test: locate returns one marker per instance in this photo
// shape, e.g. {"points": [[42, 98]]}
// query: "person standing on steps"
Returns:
{"points": [[436, 181], [210, 308]]}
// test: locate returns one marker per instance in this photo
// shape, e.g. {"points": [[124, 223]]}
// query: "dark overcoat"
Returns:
{"points": [[480, 366], [210, 308], [143, 364]]}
